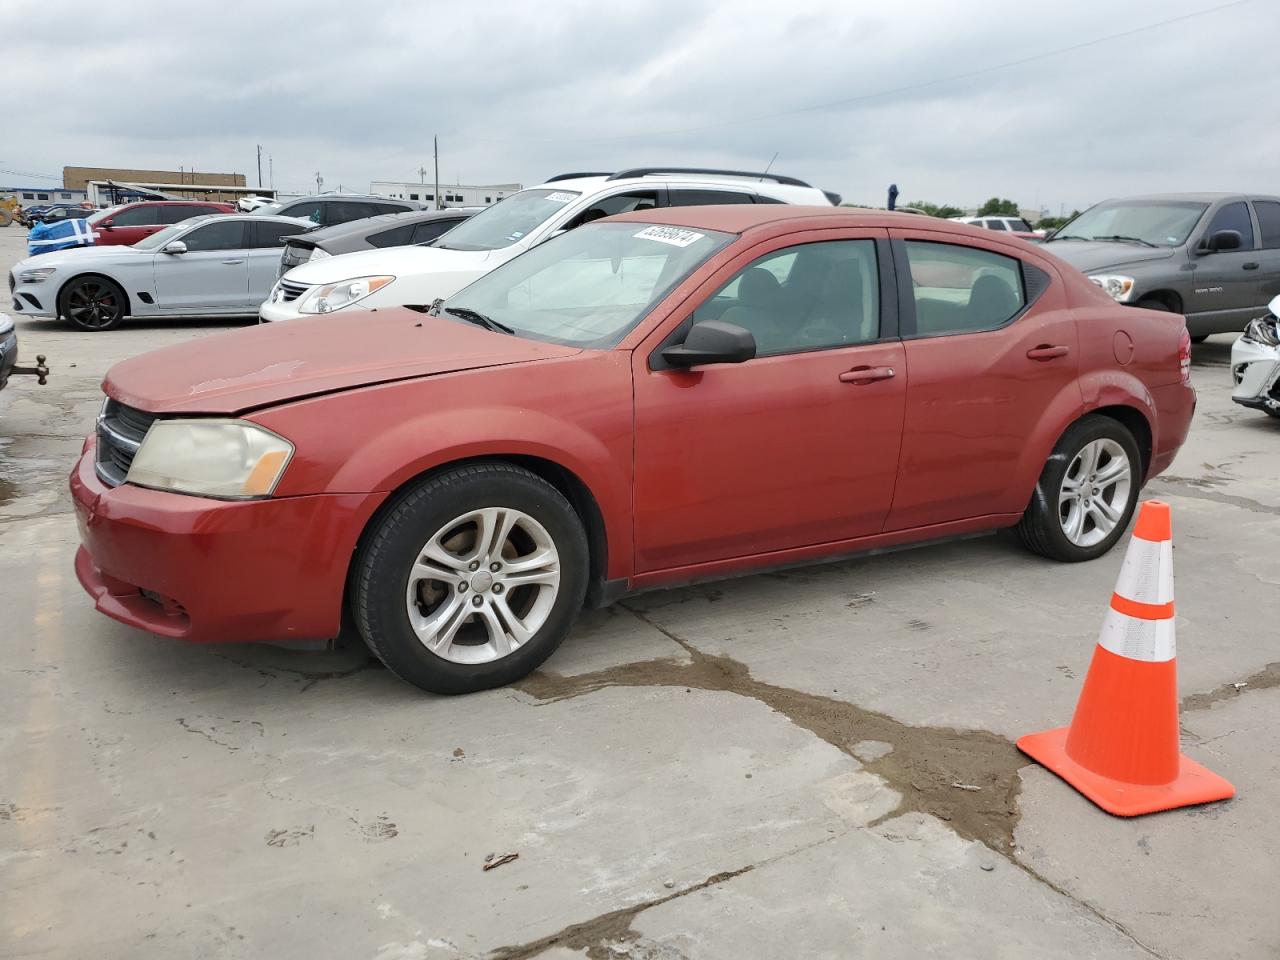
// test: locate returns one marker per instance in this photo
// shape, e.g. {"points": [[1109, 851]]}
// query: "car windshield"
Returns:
{"points": [[589, 287], [1165, 223], [103, 214], [267, 209], [507, 221]]}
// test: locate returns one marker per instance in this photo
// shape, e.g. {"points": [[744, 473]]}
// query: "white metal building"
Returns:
{"points": [[451, 195]]}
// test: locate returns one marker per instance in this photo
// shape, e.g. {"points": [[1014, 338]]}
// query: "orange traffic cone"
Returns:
{"points": [[1121, 750]]}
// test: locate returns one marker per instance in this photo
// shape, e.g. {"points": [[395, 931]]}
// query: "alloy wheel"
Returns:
{"points": [[483, 585], [93, 305], [1095, 492]]}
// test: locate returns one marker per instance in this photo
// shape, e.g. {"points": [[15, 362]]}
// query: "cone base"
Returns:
{"points": [[1194, 784]]}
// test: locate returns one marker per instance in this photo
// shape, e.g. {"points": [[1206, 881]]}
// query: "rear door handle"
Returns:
{"points": [[867, 374], [232, 263], [1251, 265], [1047, 352]]}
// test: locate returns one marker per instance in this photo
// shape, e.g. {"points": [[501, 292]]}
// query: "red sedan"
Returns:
{"points": [[126, 225], [646, 400]]}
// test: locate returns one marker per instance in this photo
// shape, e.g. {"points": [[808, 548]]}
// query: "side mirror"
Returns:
{"points": [[105, 226], [1224, 240], [1274, 307], [712, 341], [175, 247]]}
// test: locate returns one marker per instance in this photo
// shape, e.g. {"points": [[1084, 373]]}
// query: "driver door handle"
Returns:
{"points": [[1251, 265], [1047, 352], [232, 263], [860, 375]]}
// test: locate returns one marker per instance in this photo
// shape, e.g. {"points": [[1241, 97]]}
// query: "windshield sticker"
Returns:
{"points": [[561, 197], [515, 235], [672, 235]]}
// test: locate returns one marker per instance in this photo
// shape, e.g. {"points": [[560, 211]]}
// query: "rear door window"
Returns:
{"points": [[961, 289], [698, 198], [1268, 212], [268, 234], [218, 235], [995, 225]]}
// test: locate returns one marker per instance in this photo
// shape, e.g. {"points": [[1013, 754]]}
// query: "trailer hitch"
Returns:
{"points": [[40, 371]]}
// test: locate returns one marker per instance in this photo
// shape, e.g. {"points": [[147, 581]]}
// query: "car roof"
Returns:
{"points": [[741, 217], [1204, 197], [383, 221], [170, 203], [788, 188]]}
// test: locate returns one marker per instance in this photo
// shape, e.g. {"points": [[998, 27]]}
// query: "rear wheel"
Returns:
{"points": [[92, 303], [1086, 494], [472, 579]]}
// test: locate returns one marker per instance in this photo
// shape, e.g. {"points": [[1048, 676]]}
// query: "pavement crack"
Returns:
{"points": [[182, 722], [1198, 490], [1267, 677], [921, 767], [596, 934]]}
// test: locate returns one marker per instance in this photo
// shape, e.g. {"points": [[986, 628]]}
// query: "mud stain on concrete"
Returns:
{"points": [[923, 766], [1267, 677]]}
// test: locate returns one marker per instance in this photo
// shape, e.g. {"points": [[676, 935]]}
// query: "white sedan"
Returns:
{"points": [[221, 265]]}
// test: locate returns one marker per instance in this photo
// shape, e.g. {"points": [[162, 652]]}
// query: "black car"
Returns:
{"points": [[328, 209], [388, 230]]}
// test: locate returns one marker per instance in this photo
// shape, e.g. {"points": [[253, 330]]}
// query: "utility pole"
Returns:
{"points": [[422, 175], [271, 170], [259, 166], [435, 152], [319, 181]]}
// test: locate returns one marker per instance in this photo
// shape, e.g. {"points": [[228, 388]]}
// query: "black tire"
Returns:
{"points": [[92, 303], [1040, 528], [1150, 303], [395, 540]]}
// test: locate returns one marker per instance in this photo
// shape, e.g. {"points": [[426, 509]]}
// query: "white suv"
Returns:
{"points": [[393, 276]]}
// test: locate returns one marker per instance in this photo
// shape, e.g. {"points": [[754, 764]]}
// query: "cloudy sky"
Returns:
{"points": [[955, 102]]}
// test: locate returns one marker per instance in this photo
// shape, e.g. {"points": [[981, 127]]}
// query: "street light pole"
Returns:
{"points": [[435, 152]]}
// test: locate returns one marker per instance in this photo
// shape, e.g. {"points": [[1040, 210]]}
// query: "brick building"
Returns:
{"points": [[78, 178]]}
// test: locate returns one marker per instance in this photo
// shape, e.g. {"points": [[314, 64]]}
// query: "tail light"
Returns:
{"points": [[1184, 357]]}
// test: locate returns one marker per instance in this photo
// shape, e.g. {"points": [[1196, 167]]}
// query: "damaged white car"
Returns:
{"points": [[1255, 363]]}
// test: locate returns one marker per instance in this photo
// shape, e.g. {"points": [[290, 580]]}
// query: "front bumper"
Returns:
{"points": [[1255, 372], [33, 299], [211, 570], [274, 312]]}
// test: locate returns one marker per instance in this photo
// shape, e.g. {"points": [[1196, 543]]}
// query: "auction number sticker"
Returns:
{"points": [[672, 235], [559, 197]]}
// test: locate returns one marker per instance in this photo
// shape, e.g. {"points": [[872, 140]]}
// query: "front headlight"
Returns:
{"points": [[231, 459], [318, 254], [37, 275], [1118, 288], [335, 296]]}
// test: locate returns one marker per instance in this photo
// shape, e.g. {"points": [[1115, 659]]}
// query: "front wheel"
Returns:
{"points": [[1086, 493], [472, 579], [92, 303]]}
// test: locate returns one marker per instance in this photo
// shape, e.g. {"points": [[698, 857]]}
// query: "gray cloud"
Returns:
{"points": [[518, 91]]}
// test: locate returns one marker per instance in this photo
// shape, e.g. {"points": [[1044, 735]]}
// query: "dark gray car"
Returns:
{"points": [[388, 230], [1213, 257]]}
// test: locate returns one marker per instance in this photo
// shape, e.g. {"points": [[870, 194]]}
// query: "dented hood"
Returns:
{"points": [[259, 366]]}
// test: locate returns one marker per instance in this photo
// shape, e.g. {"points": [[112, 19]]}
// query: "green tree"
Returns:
{"points": [[943, 210], [1053, 223], [998, 207]]}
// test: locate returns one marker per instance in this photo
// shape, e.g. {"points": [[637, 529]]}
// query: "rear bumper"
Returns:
{"points": [[216, 571], [1175, 406]]}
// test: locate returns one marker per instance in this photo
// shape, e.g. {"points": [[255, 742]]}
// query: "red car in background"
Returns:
{"points": [[646, 400], [126, 225]]}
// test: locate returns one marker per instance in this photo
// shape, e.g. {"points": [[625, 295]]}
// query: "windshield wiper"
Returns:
{"points": [[1116, 236], [1065, 236], [479, 319]]}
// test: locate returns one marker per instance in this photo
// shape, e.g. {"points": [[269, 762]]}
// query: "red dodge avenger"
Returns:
{"points": [[649, 399]]}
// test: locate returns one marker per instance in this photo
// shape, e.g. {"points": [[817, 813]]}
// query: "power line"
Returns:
{"points": [[36, 176], [908, 88]]}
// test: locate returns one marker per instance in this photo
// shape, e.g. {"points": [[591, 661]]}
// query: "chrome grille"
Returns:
{"points": [[292, 291], [121, 430]]}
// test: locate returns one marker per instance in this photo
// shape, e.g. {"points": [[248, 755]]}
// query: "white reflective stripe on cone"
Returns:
{"points": [[1147, 572], [1137, 639]]}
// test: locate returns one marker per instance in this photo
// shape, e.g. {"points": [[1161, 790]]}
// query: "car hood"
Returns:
{"points": [[389, 261], [259, 366], [77, 255], [1090, 257]]}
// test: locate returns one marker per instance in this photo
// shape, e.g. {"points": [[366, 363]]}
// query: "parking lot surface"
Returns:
{"points": [[781, 765]]}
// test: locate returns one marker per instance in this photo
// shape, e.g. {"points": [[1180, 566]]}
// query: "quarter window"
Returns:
{"points": [[962, 289], [996, 225], [395, 237], [220, 235], [808, 297], [1234, 216], [428, 231], [1268, 212]]}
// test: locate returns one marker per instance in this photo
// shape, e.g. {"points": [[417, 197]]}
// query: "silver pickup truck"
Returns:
{"points": [[1213, 257]]}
